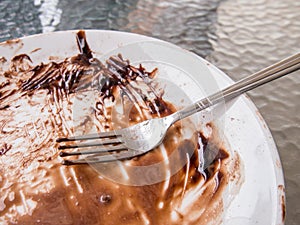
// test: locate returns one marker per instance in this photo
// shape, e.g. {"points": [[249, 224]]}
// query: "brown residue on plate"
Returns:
{"points": [[261, 119], [3, 59], [80, 95], [35, 50], [4, 148], [281, 192], [15, 44], [11, 42]]}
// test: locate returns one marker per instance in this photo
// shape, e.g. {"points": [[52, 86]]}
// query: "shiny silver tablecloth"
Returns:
{"points": [[239, 37]]}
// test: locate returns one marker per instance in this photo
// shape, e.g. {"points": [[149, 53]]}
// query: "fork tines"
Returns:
{"points": [[102, 148]]}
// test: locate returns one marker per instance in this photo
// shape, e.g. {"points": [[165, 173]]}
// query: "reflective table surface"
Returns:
{"points": [[239, 37]]}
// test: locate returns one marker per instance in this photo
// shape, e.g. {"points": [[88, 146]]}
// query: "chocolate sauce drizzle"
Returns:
{"points": [[4, 148], [84, 71]]}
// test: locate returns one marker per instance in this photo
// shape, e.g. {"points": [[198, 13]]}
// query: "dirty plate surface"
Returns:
{"points": [[261, 199]]}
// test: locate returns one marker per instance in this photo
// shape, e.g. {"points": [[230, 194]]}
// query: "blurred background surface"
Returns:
{"points": [[239, 37]]}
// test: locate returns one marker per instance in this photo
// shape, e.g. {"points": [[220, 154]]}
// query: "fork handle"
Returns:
{"points": [[275, 71]]}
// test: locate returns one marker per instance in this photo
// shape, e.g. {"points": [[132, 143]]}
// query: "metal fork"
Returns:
{"points": [[143, 137]]}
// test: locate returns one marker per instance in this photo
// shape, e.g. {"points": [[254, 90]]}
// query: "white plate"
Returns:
{"points": [[261, 199]]}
